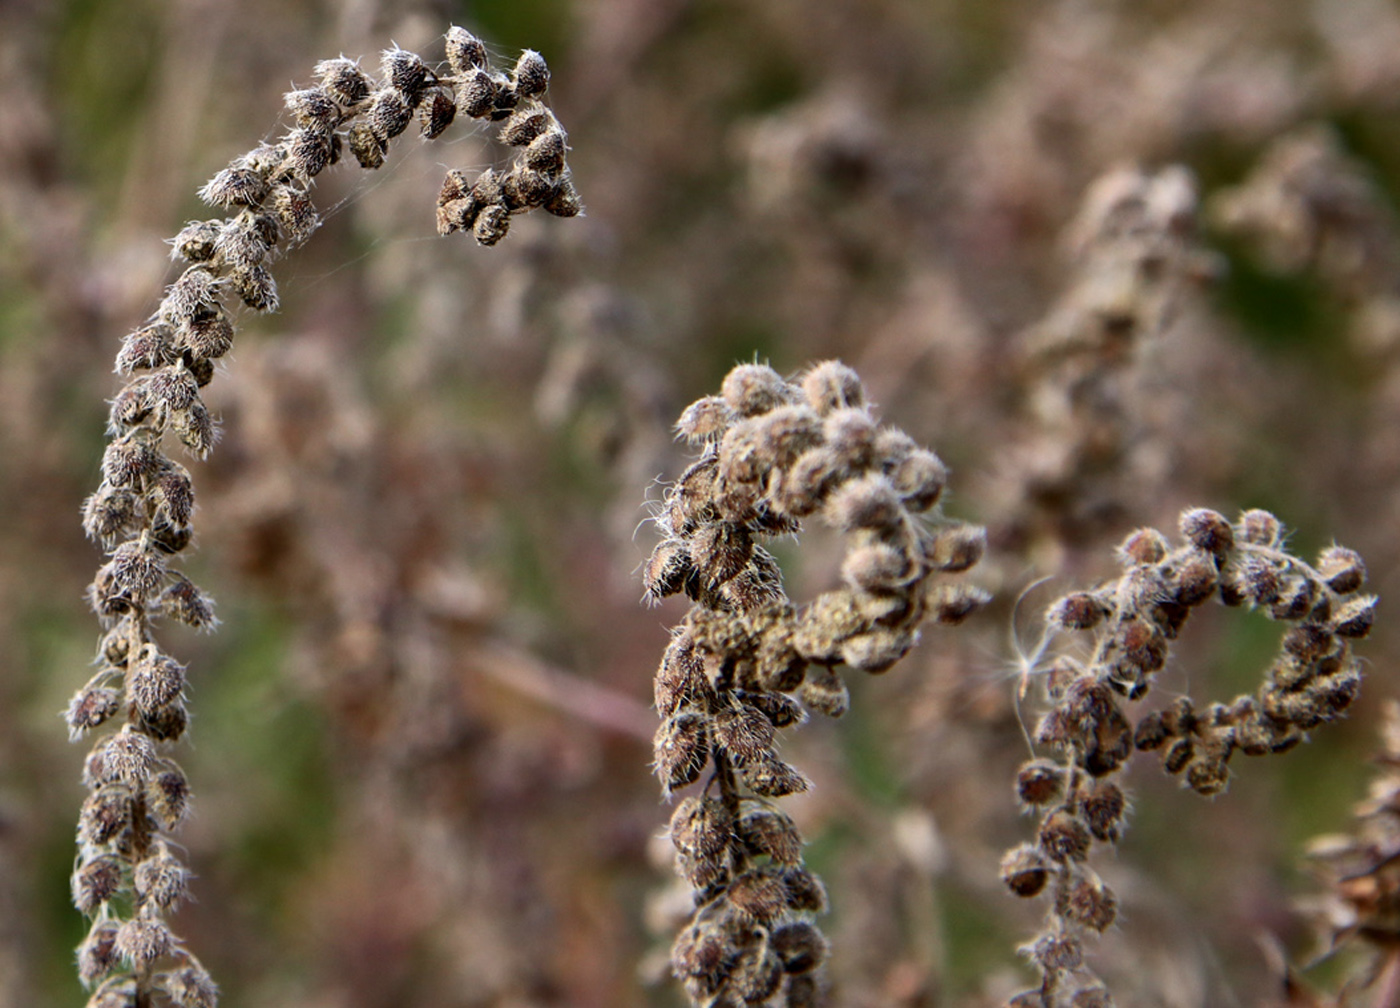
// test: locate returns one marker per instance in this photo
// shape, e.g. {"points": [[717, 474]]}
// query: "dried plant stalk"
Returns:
{"points": [[128, 878], [774, 453], [1131, 622]]}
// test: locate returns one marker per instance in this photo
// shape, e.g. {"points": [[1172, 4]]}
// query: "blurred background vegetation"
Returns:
{"points": [[421, 739]]}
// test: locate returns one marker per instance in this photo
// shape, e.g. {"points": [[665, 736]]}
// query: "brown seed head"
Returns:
{"points": [[96, 881], [1025, 870], [143, 940], [1086, 901], [531, 74], [90, 707], [1260, 528], [1145, 546], [1207, 530], [1342, 569], [97, 955], [1040, 782], [191, 987]]}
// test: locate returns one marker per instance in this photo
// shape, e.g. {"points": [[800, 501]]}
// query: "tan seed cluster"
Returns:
{"points": [[1130, 623], [747, 660]]}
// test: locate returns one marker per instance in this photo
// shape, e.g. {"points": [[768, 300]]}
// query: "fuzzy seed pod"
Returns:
{"points": [[531, 74], [1040, 782], [744, 733], [831, 385], [168, 796], [312, 107], [406, 72], [825, 692], [464, 50], [1078, 611], [700, 827], [1064, 837], [919, 479], [878, 568], [388, 114], [768, 831], [956, 549], [545, 153], [256, 287], [128, 757], [109, 515], [565, 202], [143, 939], [89, 708], [1342, 569], [1087, 902], [805, 892], [1207, 530], [799, 946], [191, 987], [162, 880], [1145, 546], [524, 189], [1103, 808], [137, 572], [1025, 870], [505, 99], [156, 680], [436, 114], [97, 955], [682, 749], [195, 242], [366, 145], [1057, 951], [476, 93], [106, 813], [1355, 617], [235, 186], [525, 125], [343, 80], [772, 778], [172, 388], [150, 346], [1260, 528], [753, 389], [491, 225], [95, 882]]}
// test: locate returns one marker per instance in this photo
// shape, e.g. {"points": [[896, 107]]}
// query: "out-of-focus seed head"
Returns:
{"points": [[1207, 530], [366, 145], [256, 287], [1103, 809], [1342, 569], [1194, 581], [831, 385], [143, 940], [184, 601], [531, 74], [759, 895], [850, 436], [1355, 617], [1078, 611], [168, 796], [464, 50], [1040, 782], [825, 692], [1064, 836], [91, 706], [1144, 546], [805, 892], [96, 881], [97, 955], [800, 946], [343, 80], [1260, 528], [919, 479], [705, 420], [190, 987], [109, 515], [161, 879], [1025, 870], [867, 502], [105, 814], [743, 732], [129, 757], [754, 389], [156, 680], [1086, 901], [957, 548], [770, 832], [878, 567]]}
